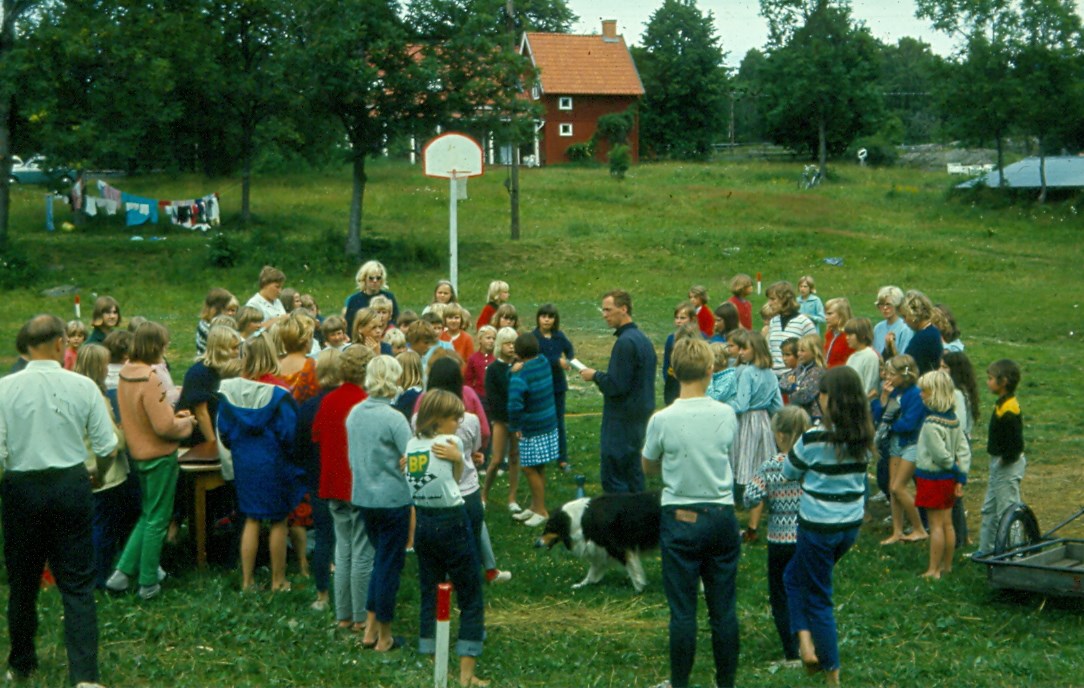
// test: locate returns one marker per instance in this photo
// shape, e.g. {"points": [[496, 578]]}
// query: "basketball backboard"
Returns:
{"points": [[452, 156]]}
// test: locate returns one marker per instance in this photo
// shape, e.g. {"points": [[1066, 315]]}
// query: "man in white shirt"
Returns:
{"points": [[266, 300], [45, 497]]}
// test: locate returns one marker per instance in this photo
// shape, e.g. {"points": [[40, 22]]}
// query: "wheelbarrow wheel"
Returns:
{"points": [[1018, 528]]}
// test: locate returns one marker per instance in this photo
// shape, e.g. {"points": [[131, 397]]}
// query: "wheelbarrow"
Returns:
{"points": [[1025, 560]]}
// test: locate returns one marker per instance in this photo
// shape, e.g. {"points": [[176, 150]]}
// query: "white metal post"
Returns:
{"points": [[453, 234]]}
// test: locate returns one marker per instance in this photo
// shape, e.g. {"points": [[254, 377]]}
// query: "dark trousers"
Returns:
{"points": [[476, 514], [47, 517], [959, 522], [325, 543], [444, 543], [701, 543], [562, 440], [622, 445], [779, 556], [387, 530], [809, 589], [116, 511]]}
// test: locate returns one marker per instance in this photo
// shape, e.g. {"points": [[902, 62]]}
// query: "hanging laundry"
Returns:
{"points": [[107, 191], [139, 210], [213, 216]]}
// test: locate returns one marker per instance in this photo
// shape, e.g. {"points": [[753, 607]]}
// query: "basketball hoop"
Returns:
{"points": [[453, 157]]}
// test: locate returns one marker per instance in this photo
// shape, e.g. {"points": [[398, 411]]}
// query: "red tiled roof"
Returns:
{"points": [[583, 65]]}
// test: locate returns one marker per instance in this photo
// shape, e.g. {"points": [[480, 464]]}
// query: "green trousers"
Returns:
{"points": [[158, 482]]}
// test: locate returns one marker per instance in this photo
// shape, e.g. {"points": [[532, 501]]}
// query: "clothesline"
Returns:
{"points": [[195, 213]]}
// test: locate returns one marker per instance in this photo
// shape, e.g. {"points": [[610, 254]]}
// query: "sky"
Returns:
{"points": [[740, 27]]}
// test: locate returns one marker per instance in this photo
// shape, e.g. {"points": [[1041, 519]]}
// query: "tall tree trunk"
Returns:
{"points": [[246, 174], [822, 146], [5, 168], [353, 235]]}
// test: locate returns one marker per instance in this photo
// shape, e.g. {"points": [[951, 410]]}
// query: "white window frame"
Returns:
{"points": [[536, 92], [564, 129], [564, 103]]}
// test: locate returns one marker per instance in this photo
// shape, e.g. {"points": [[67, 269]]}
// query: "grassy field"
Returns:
{"points": [[1010, 274]]}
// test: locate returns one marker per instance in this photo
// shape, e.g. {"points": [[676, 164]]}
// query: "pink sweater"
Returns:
{"points": [[150, 427]]}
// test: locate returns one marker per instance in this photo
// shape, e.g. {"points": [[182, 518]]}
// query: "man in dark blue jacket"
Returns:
{"points": [[628, 390]]}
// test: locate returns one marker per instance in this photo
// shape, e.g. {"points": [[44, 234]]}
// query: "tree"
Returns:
{"points": [[357, 61], [909, 77], [746, 92], [821, 84], [11, 12], [685, 82]]}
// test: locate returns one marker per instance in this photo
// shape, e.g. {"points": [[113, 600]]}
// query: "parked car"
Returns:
{"points": [[37, 171]]}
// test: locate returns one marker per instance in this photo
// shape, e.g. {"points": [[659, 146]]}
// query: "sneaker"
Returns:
{"points": [[514, 508], [535, 520], [88, 684], [319, 605], [148, 592], [162, 575], [879, 497], [118, 582], [523, 515], [496, 576]]}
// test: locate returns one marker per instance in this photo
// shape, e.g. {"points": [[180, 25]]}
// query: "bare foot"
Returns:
{"points": [[344, 624], [473, 681], [892, 539], [808, 653], [931, 575], [358, 627], [916, 537]]}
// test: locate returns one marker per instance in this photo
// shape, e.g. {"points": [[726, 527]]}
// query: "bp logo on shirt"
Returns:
{"points": [[417, 470]]}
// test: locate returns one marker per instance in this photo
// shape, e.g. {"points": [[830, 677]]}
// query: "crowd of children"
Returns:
{"points": [[316, 443]]}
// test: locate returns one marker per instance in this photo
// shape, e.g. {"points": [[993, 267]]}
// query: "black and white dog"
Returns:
{"points": [[607, 530]]}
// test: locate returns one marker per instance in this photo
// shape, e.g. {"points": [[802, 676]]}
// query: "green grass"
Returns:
{"points": [[1010, 274]]}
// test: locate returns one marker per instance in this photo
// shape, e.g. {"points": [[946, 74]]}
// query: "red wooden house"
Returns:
{"points": [[581, 78]]}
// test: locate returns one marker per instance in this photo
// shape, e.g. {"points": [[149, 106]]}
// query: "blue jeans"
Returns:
{"points": [[622, 444], [387, 530], [444, 543], [701, 542], [809, 589], [779, 556], [116, 511]]}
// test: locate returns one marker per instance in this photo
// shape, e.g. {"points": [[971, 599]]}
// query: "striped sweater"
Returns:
{"points": [[531, 408], [833, 486], [943, 450]]}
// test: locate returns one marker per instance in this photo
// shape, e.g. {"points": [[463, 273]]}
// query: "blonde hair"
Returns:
{"points": [[739, 283], [791, 422], [691, 359], [395, 338], [75, 328], [328, 369], [380, 303], [941, 393], [295, 333], [808, 280], [353, 363], [811, 343], [367, 268], [701, 292], [363, 318], [437, 405], [762, 355], [382, 377], [93, 361], [495, 289], [219, 354], [904, 366], [450, 310], [411, 363], [722, 361], [484, 330], [891, 295], [916, 306], [247, 316], [841, 307], [259, 356], [686, 307], [504, 335]]}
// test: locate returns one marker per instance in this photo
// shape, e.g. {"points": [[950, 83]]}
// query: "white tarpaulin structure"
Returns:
{"points": [[1062, 172]]}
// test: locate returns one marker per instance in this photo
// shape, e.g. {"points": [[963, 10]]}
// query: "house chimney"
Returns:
{"points": [[609, 30]]}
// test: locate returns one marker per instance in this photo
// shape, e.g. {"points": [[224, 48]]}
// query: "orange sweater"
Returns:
{"points": [[150, 427]]}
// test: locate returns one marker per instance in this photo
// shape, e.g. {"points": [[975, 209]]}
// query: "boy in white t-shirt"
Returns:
{"points": [[699, 537]]}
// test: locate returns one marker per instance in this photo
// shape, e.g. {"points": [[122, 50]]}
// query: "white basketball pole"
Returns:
{"points": [[453, 234], [444, 615]]}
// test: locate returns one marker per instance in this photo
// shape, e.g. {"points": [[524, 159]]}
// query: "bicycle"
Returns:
{"points": [[811, 176]]}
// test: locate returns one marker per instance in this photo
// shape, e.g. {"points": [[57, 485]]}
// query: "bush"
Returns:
{"points": [[620, 159], [580, 152], [222, 251], [17, 270], [880, 151]]}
